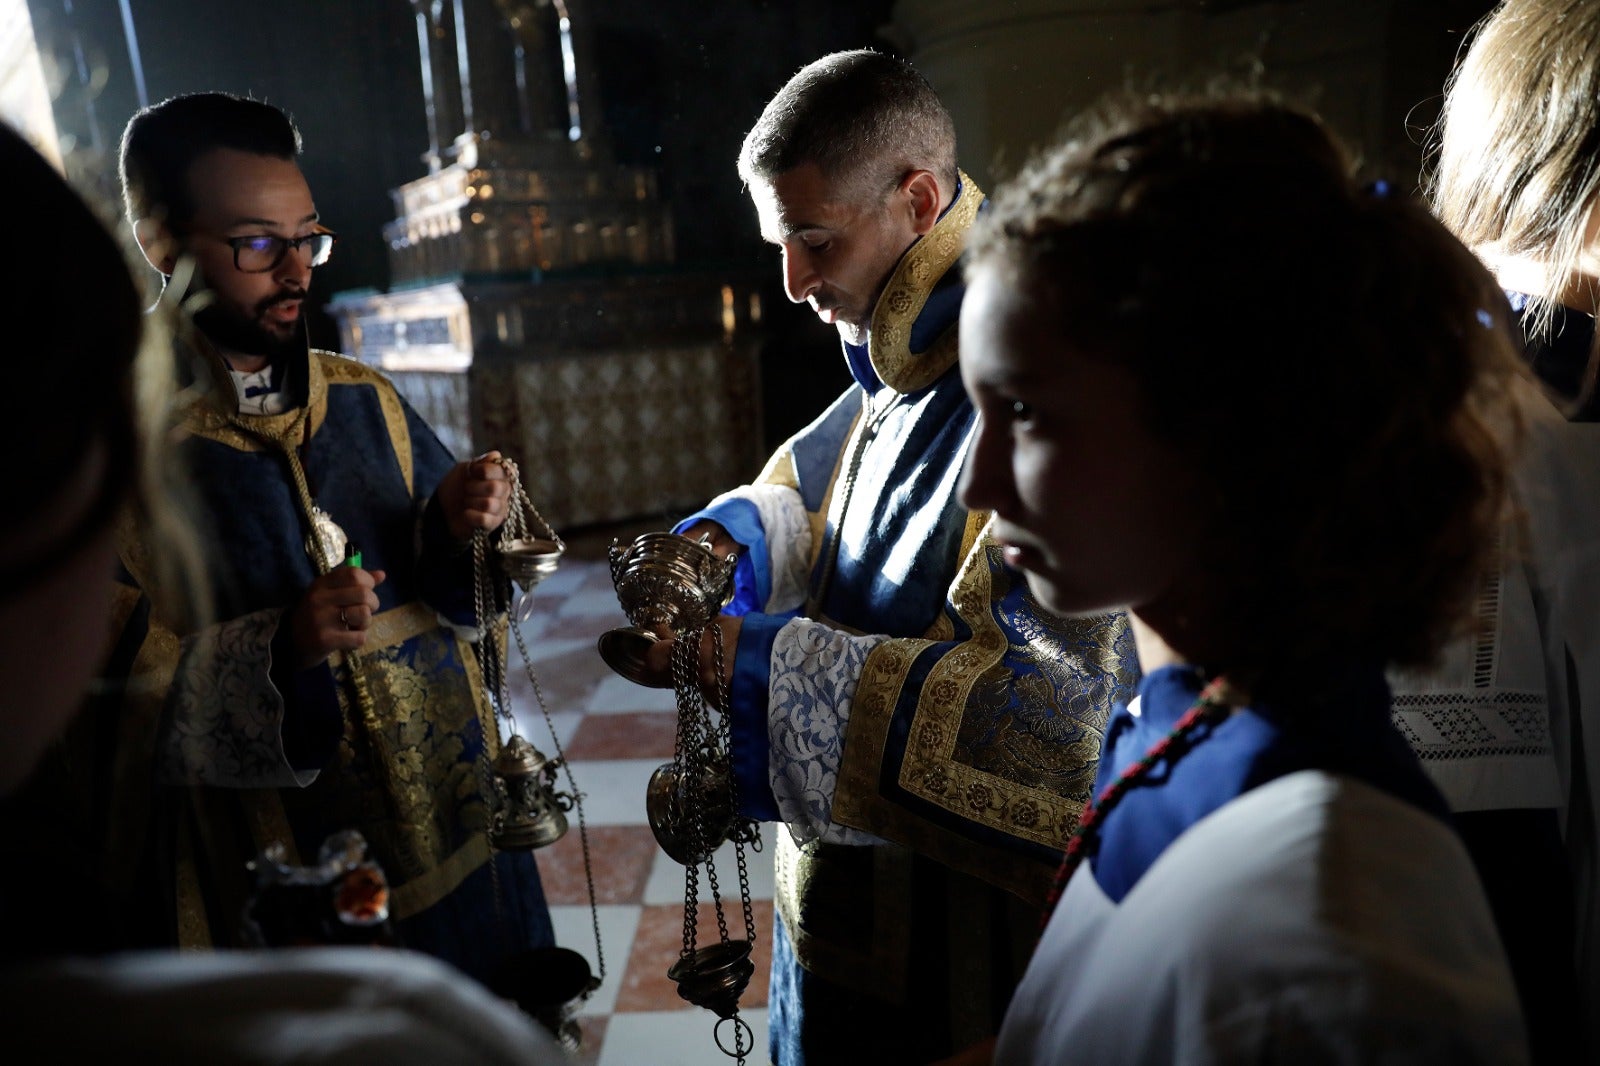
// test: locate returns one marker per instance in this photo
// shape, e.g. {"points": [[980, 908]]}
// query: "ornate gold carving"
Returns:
{"points": [[907, 292]]}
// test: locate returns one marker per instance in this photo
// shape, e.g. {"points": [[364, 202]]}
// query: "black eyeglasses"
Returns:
{"points": [[257, 255]]}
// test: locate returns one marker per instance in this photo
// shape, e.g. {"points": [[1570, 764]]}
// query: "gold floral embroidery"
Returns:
{"points": [[907, 292]]}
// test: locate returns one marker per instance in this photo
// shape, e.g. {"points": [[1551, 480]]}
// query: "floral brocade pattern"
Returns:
{"points": [[789, 541], [415, 788], [1011, 729], [225, 718]]}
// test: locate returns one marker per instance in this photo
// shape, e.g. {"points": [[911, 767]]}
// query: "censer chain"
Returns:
{"points": [[725, 733], [577, 798], [487, 593], [700, 742], [685, 663]]}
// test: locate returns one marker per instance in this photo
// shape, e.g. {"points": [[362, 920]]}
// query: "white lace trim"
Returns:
{"points": [[1480, 724], [788, 532], [225, 717], [815, 670]]}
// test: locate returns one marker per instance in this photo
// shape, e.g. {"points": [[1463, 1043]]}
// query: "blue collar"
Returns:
{"points": [[1348, 732]]}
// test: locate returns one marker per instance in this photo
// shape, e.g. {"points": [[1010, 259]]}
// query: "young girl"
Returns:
{"points": [[1226, 386]]}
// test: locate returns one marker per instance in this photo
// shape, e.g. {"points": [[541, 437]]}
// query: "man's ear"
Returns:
{"points": [[924, 197], [160, 248]]}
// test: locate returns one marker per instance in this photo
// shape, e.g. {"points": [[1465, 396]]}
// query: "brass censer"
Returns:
{"points": [[520, 783], [672, 586]]}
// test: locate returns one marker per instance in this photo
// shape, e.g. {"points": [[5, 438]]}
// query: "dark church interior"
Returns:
{"points": [[547, 276]]}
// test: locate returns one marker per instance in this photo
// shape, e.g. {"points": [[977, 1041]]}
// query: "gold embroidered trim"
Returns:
{"points": [[399, 624], [883, 676], [207, 419], [873, 964], [420, 893], [929, 770], [907, 293]]}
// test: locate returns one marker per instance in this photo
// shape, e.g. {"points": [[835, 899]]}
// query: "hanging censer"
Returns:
{"points": [[667, 582], [526, 810]]}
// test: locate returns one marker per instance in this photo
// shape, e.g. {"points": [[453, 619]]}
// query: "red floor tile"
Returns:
{"points": [[567, 682], [659, 941], [620, 854], [593, 1028], [641, 735]]}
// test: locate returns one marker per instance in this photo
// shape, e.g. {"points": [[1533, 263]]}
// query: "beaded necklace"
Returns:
{"points": [[1211, 707]]}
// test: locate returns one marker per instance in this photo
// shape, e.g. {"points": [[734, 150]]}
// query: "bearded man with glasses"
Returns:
{"points": [[330, 690]]}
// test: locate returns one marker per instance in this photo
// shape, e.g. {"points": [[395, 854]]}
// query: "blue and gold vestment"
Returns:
{"points": [[217, 746], [897, 687]]}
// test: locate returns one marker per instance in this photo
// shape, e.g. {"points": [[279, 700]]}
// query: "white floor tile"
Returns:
{"points": [[593, 602], [665, 884], [614, 789], [675, 1038], [531, 724], [549, 647], [617, 695], [618, 924]]}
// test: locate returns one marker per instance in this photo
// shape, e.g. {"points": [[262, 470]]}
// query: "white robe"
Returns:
{"points": [[1314, 919]]}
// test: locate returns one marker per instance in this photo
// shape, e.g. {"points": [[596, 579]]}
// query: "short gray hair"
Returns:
{"points": [[864, 118]]}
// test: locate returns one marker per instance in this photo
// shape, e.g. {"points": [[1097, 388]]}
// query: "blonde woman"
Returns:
{"points": [[1509, 727]]}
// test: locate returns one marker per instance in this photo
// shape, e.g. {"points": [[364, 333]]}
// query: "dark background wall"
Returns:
{"points": [[680, 83]]}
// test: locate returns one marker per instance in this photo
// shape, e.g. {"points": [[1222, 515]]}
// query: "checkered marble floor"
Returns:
{"points": [[616, 734]]}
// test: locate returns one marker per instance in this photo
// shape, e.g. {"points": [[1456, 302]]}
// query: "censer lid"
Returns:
{"points": [[519, 759]]}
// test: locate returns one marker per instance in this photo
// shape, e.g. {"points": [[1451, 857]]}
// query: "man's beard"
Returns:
{"points": [[228, 329]]}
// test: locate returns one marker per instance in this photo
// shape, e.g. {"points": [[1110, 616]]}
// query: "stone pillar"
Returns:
{"points": [[1013, 74]]}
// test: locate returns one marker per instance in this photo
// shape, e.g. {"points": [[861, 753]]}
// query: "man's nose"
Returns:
{"points": [[800, 278], [295, 266]]}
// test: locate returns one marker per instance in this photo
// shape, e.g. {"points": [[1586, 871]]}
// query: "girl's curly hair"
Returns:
{"points": [[1330, 358]]}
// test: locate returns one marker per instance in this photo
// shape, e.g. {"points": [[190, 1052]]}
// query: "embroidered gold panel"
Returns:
{"points": [[990, 744]]}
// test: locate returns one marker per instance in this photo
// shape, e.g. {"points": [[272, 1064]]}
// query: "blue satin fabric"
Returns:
{"points": [[252, 511]]}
